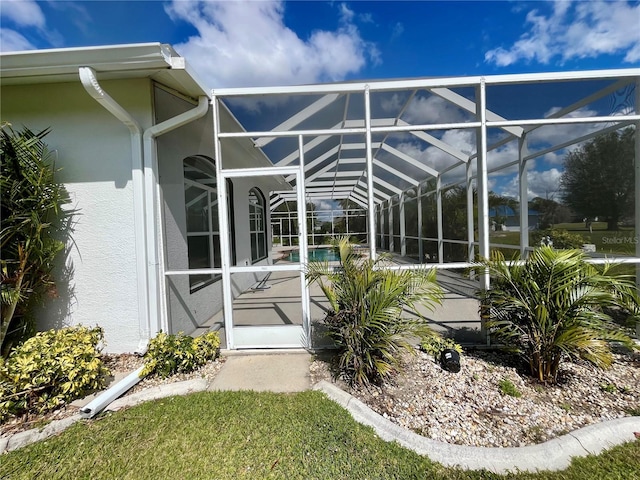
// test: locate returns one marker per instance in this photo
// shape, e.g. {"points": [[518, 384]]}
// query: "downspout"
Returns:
{"points": [[146, 202], [155, 272], [93, 88]]}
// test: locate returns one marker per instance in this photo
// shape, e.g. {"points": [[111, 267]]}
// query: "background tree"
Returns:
{"points": [[549, 212], [598, 180], [32, 218]]}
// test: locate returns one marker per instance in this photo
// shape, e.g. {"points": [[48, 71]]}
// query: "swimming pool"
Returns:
{"points": [[315, 255]]}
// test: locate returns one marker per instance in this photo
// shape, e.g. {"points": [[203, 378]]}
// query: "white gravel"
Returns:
{"points": [[468, 408]]}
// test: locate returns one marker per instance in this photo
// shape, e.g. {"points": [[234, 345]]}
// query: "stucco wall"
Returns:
{"points": [[93, 149], [188, 310]]}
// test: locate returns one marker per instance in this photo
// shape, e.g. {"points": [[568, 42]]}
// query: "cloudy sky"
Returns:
{"points": [[274, 43]]}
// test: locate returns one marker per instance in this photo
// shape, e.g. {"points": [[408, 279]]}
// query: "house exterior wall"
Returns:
{"points": [[97, 284], [190, 310]]}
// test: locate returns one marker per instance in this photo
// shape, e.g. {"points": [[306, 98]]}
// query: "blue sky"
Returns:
{"points": [[265, 42], [257, 43]]}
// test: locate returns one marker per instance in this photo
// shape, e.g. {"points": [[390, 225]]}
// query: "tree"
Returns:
{"points": [[367, 303], [31, 219], [549, 212], [598, 180], [551, 308]]}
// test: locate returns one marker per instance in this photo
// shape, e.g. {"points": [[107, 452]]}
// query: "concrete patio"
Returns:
{"points": [[277, 301]]}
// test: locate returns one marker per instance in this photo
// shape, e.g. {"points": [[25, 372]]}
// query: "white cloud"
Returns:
{"points": [[12, 41], [425, 109], [246, 43], [24, 13], [541, 184], [576, 30]]}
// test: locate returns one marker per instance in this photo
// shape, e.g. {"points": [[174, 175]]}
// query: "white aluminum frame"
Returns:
{"points": [[372, 191]]}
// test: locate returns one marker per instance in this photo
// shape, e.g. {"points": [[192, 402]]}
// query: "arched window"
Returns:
{"points": [[257, 225], [203, 232]]}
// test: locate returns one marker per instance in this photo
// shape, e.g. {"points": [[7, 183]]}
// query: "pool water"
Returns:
{"points": [[316, 255]]}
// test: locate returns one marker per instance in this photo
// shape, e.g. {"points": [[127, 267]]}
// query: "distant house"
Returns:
{"points": [[503, 217], [122, 118]]}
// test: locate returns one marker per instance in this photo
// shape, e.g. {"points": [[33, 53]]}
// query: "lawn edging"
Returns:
{"points": [[21, 439], [555, 454]]}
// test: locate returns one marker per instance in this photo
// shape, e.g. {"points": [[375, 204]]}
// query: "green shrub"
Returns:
{"points": [[50, 369], [34, 225], [365, 320], [435, 344], [170, 354], [561, 239], [551, 307], [508, 388]]}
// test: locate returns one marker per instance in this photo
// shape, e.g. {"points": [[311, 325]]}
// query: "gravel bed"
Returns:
{"points": [[468, 407]]}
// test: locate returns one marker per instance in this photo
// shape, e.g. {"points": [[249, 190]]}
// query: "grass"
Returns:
{"points": [[508, 388], [606, 241], [229, 435]]}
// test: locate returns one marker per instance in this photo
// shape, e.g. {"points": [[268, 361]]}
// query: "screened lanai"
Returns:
{"points": [[435, 171]]}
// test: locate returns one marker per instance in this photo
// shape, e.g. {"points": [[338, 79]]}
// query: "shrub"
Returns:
{"points": [[50, 369], [32, 219], [551, 307], [561, 239], [434, 344], [170, 354], [365, 319]]}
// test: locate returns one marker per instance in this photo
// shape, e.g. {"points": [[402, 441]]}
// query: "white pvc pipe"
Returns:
{"points": [[115, 391]]}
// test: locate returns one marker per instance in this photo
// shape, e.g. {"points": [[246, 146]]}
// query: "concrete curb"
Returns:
{"points": [[555, 454], [21, 439], [161, 391]]}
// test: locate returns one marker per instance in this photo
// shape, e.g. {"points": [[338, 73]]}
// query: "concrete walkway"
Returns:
{"points": [[273, 372]]}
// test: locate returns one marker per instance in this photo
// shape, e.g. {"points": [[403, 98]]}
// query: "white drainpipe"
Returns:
{"points": [[146, 201], [155, 273], [113, 393], [91, 85]]}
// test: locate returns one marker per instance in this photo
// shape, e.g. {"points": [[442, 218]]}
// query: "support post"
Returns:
{"points": [[370, 197], [223, 220], [392, 242], [304, 252], [420, 247], [523, 183], [439, 219], [403, 227], [483, 194], [482, 180], [637, 191], [470, 210]]}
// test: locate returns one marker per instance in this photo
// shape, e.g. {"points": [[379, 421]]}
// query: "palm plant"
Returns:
{"points": [[365, 320], [550, 307], [31, 216]]}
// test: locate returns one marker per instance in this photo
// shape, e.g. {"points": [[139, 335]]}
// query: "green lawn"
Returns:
{"points": [[606, 241], [229, 435]]}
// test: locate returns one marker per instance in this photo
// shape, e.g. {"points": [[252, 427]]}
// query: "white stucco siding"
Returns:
{"points": [[93, 149]]}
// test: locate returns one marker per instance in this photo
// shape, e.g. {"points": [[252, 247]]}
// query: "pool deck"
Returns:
{"points": [[279, 304]]}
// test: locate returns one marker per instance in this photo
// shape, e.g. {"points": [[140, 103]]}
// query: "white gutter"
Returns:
{"points": [[93, 88], [146, 202], [155, 273]]}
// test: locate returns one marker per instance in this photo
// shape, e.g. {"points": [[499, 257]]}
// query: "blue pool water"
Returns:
{"points": [[316, 255]]}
